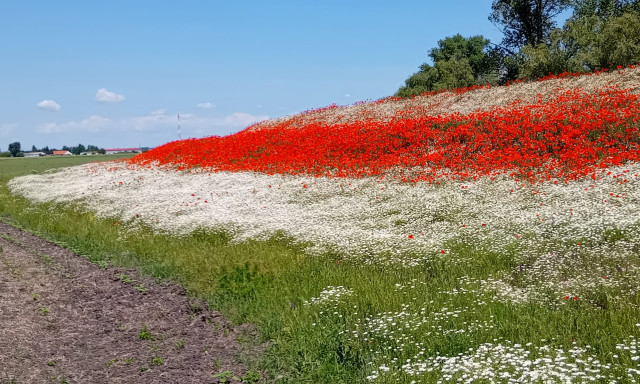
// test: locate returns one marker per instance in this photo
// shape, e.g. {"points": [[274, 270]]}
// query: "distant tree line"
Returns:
{"points": [[15, 150], [600, 34]]}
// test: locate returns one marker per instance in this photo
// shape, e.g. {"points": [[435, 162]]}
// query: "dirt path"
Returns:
{"points": [[66, 320]]}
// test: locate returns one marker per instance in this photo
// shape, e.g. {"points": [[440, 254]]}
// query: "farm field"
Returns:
{"points": [[390, 241]]}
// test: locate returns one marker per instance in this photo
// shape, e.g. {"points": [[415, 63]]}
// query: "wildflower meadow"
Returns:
{"points": [[455, 237]]}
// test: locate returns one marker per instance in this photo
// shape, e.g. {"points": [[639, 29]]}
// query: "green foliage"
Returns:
{"points": [[78, 149], [144, 334], [14, 148], [251, 377], [525, 22], [587, 43], [457, 47], [454, 73], [605, 42], [420, 82], [603, 9], [157, 361], [125, 279], [225, 377], [548, 58], [458, 62], [241, 282]]}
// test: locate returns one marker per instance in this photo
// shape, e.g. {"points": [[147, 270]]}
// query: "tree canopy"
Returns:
{"points": [[14, 148], [525, 22], [458, 62], [599, 34]]}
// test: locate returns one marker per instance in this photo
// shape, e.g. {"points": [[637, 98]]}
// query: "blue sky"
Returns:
{"points": [[116, 73]]}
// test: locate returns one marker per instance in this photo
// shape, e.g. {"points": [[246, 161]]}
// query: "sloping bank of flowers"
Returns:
{"points": [[553, 228], [365, 220], [554, 182], [568, 135]]}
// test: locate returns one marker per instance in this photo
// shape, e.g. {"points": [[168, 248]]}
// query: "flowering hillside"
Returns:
{"points": [[560, 132], [479, 235]]}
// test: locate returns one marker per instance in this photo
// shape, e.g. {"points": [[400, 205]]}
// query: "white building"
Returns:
{"points": [[112, 151], [33, 154]]}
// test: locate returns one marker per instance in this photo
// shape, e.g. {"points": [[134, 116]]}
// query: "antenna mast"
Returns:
{"points": [[179, 132]]}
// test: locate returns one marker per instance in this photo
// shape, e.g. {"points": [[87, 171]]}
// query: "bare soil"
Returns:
{"points": [[64, 319]]}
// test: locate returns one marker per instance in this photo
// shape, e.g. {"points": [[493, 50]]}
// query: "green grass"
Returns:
{"points": [[14, 166], [267, 283]]}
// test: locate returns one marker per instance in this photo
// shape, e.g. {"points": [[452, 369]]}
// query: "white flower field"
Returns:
{"points": [[568, 241]]}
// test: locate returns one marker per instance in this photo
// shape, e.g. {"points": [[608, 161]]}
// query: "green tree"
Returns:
{"points": [[554, 57], [34, 148], [525, 22], [603, 9], [77, 149], [606, 42], [474, 49], [458, 62], [586, 43], [14, 148]]}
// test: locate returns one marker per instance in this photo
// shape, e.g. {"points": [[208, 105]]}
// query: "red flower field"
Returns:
{"points": [[565, 134]]}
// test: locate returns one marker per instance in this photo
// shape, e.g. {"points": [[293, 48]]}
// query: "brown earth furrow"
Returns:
{"points": [[64, 319]]}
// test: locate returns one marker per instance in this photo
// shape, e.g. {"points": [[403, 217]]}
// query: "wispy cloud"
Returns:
{"points": [[155, 119], [190, 123], [347, 95], [241, 120], [205, 105], [154, 122], [105, 96], [94, 123], [49, 105]]}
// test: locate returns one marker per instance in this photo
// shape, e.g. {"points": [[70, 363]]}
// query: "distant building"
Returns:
{"points": [[89, 153], [34, 154], [112, 151], [61, 153]]}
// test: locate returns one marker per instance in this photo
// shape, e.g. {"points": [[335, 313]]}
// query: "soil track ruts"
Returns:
{"points": [[65, 319]]}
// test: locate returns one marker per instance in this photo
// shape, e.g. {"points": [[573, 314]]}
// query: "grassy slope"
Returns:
{"points": [[279, 274]]}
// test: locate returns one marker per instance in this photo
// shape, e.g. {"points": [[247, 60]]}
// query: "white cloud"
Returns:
{"points": [[94, 123], [205, 105], [148, 122], [190, 123], [49, 105], [240, 119], [347, 95], [105, 96]]}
